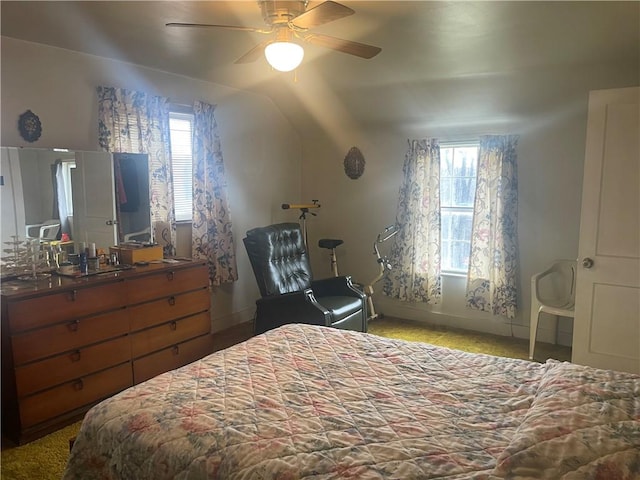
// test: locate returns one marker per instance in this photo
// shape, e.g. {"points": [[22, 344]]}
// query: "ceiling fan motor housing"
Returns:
{"points": [[277, 13]]}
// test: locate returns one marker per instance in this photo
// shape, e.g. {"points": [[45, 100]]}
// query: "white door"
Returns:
{"points": [[11, 199], [94, 205], [606, 330]]}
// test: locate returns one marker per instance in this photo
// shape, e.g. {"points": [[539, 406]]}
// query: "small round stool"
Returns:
{"points": [[331, 244]]}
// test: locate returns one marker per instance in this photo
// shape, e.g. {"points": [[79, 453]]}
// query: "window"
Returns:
{"points": [[67, 166], [458, 165], [181, 130]]}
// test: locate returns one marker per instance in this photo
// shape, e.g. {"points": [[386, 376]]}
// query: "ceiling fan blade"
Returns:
{"points": [[324, 13], [344, 46], [254, 54], [226, 27]]}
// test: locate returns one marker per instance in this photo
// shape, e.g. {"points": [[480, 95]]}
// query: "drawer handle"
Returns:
{"points": [[172, 301], [173, 325], [75, 356], [176, 350], [78, 385], [73, 326], [170, 275], [73, 294]]}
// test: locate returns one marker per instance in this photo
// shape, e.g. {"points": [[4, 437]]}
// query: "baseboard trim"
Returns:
{"points": [[232, 320], [492, 325]]}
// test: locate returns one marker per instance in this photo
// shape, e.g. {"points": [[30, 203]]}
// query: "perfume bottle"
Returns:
{"points": [[84, 265]]}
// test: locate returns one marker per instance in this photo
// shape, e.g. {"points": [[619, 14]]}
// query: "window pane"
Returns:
{"points": [[446, 162], [464, 190], [445, 192], [455, 239], [464, 163], [445, 252], [460, 256], [445, 225], [462, 225]]}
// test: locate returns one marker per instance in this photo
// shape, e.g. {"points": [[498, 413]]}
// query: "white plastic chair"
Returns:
{"points": [[553, 291], [144, 234], [45, 231]]}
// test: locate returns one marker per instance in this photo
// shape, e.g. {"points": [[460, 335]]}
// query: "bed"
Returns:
{"points": [[311, 402]]}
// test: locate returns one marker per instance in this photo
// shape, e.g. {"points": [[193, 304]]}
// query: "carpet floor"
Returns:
{"points": [[45, 458], [466, 340], [42, 459]]}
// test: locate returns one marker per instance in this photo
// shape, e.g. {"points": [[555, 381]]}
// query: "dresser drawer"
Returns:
{"points": [[169, 308], [58, 307], [69, 343], [75, 394], [170, 333], [70, 335], [166, 283], [171, 358], [71, 365]]}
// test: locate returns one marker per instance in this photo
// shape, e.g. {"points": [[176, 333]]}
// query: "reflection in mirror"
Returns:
{"points": [[94, 211], [132, 197], [37, 193], [52, 194]]}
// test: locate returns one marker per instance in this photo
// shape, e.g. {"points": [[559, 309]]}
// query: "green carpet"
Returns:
{"points": [[465, 340], [42, 459], [45, 458]]}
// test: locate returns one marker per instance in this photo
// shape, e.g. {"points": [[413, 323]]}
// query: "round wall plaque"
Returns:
{"points": [[29, 126], [354, 163]]}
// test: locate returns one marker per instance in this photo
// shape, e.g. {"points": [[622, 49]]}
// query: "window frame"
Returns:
{"points": [[181, 113], [453, 209]]}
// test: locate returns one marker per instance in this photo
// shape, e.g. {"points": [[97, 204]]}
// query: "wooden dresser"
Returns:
{"points": [[69, 343]]}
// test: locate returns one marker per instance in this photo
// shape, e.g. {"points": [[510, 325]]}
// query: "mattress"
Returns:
{"points": [[311, 402]]}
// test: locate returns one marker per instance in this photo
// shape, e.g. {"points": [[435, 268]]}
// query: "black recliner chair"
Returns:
{"points": [[289, 294]]}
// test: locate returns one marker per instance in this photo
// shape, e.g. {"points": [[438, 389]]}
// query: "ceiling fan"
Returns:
{"points": [[290, 21]]}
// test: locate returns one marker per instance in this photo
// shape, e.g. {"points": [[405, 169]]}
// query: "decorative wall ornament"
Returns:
{"points": [[29, 126], [354, 163]]}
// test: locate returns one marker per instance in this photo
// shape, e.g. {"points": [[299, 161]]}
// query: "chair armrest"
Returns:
{"points": [[535, 280], [34, 226], [292, 298], [336, 286]]}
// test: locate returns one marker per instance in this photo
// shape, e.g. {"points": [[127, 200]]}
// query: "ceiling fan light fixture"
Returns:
{"points": [[284, 56]]}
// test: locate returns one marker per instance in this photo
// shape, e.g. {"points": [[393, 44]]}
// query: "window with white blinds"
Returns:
{"points": [[181, 128]]}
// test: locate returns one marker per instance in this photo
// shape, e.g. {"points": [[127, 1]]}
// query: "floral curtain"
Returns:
{"points": [[493, 264], [415, 253], [212, 236], [137, 122]]}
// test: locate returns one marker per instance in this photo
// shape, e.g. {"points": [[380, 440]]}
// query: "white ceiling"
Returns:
{"points": [[437, 57]]}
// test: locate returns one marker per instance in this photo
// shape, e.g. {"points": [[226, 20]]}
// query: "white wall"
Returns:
{"points": [[548, 110], [261, 150], [268, 163]]}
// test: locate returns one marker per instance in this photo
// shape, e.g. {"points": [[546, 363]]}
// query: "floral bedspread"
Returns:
{"points": [[309, 402]]}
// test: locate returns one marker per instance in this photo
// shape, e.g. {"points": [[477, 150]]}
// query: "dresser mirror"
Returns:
{"points": [[90, 197]]}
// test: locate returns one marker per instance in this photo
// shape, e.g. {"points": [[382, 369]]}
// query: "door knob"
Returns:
{"points": [[587, 262]]}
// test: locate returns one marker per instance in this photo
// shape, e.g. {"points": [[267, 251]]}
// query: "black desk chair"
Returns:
{"points": [[289, 294]]}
